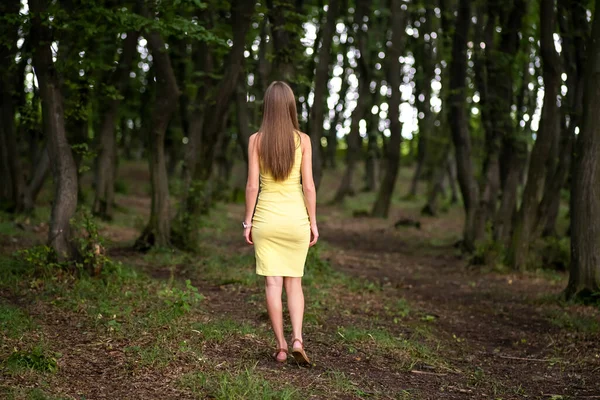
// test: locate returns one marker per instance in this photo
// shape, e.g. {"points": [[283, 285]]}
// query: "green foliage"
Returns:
{"points": [[40, 258], [566, 319], [14, 322], [555, 253], [86, 155], [90, 245], [36, 359], [91, 258], [181, 300]]}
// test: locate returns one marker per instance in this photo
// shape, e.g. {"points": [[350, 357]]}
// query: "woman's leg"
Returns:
{"points": [[273, 289], [295, 298]]}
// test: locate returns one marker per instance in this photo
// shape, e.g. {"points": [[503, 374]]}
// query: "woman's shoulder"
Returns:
{"points": [[304, 138]]}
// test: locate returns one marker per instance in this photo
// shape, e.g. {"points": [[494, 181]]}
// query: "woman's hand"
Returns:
{"points": [[314, 234], [248, 235]]}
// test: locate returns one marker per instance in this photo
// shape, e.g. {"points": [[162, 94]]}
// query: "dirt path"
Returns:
{"points": [[495, 323]]}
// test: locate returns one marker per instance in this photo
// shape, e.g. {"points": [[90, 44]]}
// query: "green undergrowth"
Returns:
{"points": [[38, 358], [574, 322], [409, 351], [22, 393], [14, 321], [245, 383]]}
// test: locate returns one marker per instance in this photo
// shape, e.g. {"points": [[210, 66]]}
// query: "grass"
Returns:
{"points": [[27, 394], [219, 330], [39, 358], [245, 383], [14, 322], [408, 352], [574, 322]]}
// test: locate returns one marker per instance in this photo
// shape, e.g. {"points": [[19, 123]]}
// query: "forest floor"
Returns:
{"points": [[391, 313]]}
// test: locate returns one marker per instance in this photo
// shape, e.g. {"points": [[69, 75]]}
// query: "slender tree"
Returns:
{"points": [[107, 150], [158, 230], [459, 122], [64, 170], [11, 171], [584, 280], [320, 89], [527, 216], [394, 72], [354, 139]]}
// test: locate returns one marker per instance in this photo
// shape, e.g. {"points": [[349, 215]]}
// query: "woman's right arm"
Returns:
{"points": [[308, 187]]}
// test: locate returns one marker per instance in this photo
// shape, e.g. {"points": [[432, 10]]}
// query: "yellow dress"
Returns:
{"points": [[280, 225]]}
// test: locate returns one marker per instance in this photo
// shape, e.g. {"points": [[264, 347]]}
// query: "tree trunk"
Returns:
{"points": [[285, 43], [107, 150], [394, 71], [426, 73], [459, 123], [320, 90], [512, 159], [59, 151], [40, 173], [372, 157], [354, 141], [437, 188], [528, 213], [584, 280], [158, 231], [242, 12], [497, 107], [12, 172], [573, 28]]}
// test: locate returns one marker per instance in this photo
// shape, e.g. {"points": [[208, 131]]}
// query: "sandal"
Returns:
{"points": [[277, 353], [299, 354]]}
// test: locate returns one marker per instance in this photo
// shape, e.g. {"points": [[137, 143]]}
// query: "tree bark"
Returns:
{"points": [[107, 150], [528, 213], [59, 151], [372, 156], [12, 171], [285, 44], [426, 73], [394, 71], [584, 279], [574, 27], [512, 159], [40, 173], [320, 90], [241, 18], [497, 107], [459, 123], [158, 231]]}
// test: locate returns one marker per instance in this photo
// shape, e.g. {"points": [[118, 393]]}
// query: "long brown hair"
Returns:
{"points": [[277, 146]]}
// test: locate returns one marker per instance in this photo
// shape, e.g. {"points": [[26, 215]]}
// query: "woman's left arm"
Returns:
{"points": [[251, 185]]}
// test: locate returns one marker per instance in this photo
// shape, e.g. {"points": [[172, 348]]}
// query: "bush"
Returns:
{"points": [[35, 359], [90, 259]]}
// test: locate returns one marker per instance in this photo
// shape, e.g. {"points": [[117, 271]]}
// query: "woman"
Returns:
{"points": [[283, 226]]}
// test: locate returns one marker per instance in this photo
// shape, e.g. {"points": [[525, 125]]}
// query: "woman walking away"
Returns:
{"points": [[283, 226]]}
